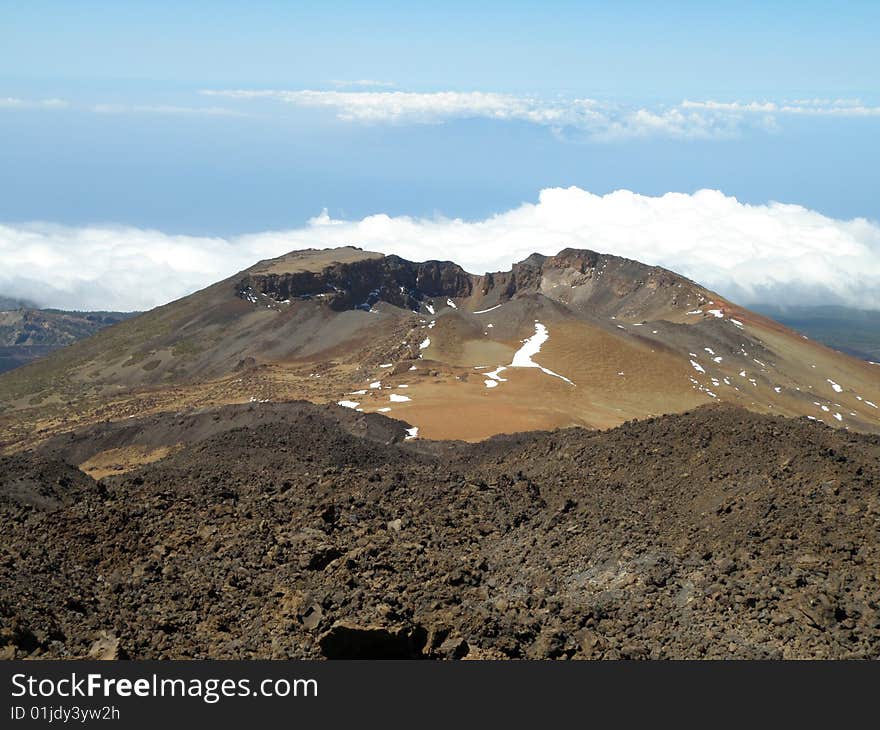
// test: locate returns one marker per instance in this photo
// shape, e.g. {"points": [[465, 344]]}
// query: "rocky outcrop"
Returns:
{"points": [[54, 484], [360, 284], [348, 640]]}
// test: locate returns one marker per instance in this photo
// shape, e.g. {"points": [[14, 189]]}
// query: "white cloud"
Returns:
{"points": [[599, 121], [734, 107], [11, 102], [778, 253], [810, 107], [413, 107], [362, 101]]}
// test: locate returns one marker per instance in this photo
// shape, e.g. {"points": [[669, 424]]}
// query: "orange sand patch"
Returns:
{"points": [[118, 461]]}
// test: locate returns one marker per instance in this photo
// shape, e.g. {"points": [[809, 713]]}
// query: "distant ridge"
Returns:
{"points": [[853, 331]]}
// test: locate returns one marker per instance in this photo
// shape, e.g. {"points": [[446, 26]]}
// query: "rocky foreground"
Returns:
{"points": [[715, 533]]}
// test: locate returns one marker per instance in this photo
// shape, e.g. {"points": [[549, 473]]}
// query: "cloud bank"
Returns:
{"points": [[784, 254], [597, 120], [365, 101]]}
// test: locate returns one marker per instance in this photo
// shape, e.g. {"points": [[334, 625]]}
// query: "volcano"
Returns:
{"points": [[577, 339]]}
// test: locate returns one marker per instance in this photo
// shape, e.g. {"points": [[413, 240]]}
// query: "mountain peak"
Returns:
{"points": [[313, 260]]}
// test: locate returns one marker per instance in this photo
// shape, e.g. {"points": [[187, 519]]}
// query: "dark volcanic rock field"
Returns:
{"points": [[716, 533]]}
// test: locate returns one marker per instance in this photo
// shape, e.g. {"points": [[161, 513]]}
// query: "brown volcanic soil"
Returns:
{"points": [[714, 533]]}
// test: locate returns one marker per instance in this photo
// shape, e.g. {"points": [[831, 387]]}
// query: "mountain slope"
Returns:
{"points": [[580, 338]]}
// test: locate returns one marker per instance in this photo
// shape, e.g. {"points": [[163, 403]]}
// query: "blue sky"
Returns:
{"points": [[224, 118], [638, 48], [279, 165]]}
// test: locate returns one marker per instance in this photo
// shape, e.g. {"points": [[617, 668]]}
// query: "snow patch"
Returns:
{"points": [[347, 403], [496, 374], [522, 358], [532, 346]]}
